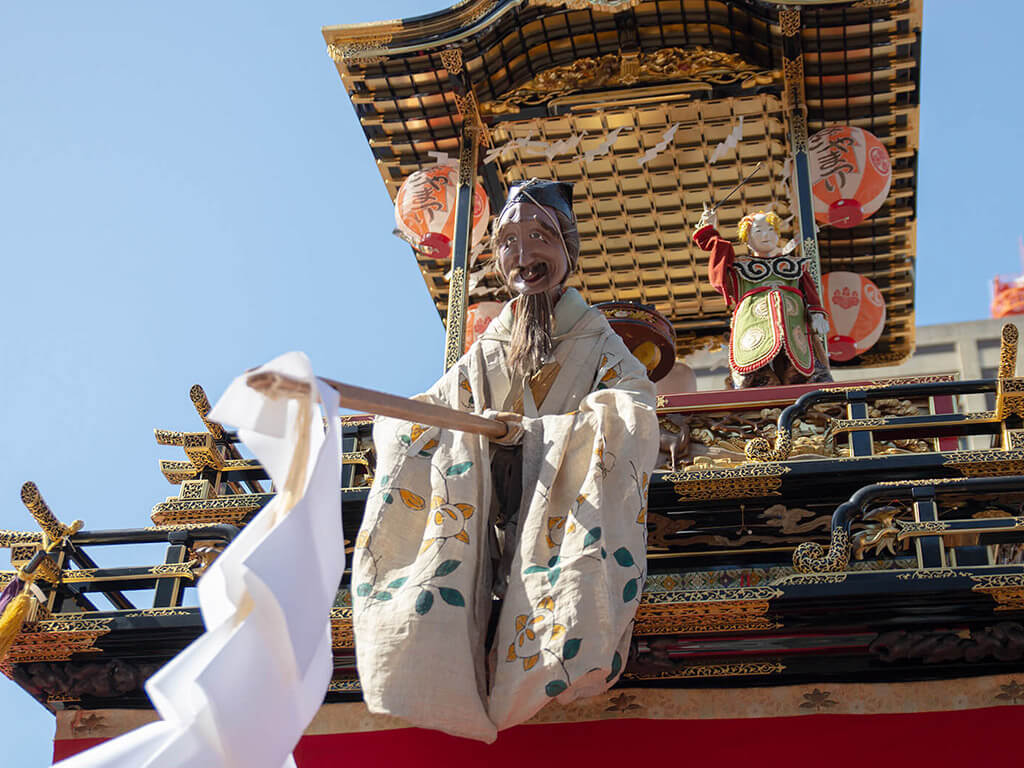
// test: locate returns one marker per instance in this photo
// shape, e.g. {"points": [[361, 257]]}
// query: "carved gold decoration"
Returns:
{"points": [[789, 21], [605, 6], [1010, 398], [196, 489], [877, 3], [19, 538], [705, 610], [474, 129], [57, 639], [805, 579], [994, 463], [226, 509], [456, 325], [201, 450], [1007, 589], [880, 533], [711, 670], [810, 557], [928, 574], [52, 527], [615, 70], [166, 571], [742, 482], [365, 51], [451, 60], [1013, 439], [202, 405], [1008, 340], [342, 636], [345, 685]]}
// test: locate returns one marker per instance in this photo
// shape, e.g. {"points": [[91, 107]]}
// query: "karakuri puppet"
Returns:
{"points": [[776, 310], [551, 518]]}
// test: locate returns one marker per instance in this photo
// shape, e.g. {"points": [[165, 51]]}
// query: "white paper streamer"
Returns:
{"points": [[657, 149], [605, 146], [735, 137], [243, 692]]}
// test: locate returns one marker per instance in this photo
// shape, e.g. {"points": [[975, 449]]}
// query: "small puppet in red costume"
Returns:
{"points": [[776, 310]]}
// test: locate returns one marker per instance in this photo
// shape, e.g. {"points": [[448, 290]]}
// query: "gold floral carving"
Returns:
{"points": [[741, 482], [1007, 589], [615, 70]]}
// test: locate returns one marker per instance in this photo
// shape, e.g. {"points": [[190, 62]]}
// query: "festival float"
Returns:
{"points": [[830, 574]]}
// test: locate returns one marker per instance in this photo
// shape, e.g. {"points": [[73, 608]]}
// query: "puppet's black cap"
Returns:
{"points": [[554, 194]]}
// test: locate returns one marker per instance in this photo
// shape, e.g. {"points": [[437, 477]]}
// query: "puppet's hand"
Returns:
{"points": [[512, 421], [709, 216], [819, 323]]}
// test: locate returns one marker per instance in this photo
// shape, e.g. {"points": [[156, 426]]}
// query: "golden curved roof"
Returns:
{"points": [[569, 74]]}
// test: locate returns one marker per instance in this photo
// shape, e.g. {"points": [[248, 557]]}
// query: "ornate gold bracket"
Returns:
{"points": [[1007, 589], [810, 557]]}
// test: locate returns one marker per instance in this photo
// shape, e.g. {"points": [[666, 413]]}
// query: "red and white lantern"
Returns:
{"points": [[425, 211], [850, 175], [478, 318], [857, 314]]}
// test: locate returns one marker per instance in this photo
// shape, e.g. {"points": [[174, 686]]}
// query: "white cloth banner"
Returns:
{"points": [[243, 693]]}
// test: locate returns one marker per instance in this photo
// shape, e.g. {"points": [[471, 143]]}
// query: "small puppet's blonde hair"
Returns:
{"points": [[748, 220]]}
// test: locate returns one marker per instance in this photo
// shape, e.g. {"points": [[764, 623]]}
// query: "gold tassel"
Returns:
{"points": [[13, 618]]}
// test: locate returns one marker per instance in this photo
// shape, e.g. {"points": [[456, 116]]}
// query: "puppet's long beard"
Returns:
{"points": [[531, 334]]}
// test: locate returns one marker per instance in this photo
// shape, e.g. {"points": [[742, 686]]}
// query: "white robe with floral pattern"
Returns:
{"points": [[421, 569]]}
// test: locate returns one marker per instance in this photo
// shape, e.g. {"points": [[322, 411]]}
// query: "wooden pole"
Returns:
{"points": [[275, 385]]}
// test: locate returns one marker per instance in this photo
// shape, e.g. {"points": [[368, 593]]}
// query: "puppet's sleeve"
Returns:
{"points": [[580, 563], [420, 590], [810, 291], [720, 272]]}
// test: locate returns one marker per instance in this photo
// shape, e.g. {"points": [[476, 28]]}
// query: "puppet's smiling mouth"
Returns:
{"points": [[533, 273]]}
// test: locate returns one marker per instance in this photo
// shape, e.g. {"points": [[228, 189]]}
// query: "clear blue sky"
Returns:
{"points": [[185, 193]]}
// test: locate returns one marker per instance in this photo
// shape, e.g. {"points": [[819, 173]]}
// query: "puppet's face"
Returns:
{"points": [[531, 254], [762, 237]]}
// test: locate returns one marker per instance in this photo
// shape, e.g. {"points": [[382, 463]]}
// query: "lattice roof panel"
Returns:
{"points": [[541, 71]]}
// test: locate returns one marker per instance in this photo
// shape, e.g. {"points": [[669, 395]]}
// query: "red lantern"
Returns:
{"points": [[856, 314], [425, 211], [850, 175]]}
